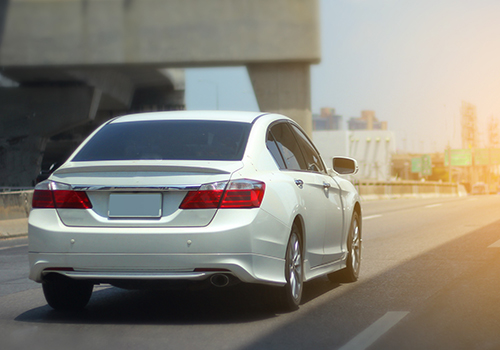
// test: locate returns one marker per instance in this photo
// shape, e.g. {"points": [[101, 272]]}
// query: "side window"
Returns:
{"points": [[273, 148], [288, 147], [312, 157]]}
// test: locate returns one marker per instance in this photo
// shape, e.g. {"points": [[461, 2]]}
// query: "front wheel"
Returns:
{"points": [[288, 297], [351, 272], [65, 294]]}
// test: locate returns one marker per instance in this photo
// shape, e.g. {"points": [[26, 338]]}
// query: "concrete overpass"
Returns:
{"points": [[67, 66]]}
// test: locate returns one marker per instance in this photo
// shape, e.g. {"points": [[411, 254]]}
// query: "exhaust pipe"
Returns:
{"points": [[219, 280]]}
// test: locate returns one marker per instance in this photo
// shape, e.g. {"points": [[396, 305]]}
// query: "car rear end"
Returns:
{"points": [[147, 201]]}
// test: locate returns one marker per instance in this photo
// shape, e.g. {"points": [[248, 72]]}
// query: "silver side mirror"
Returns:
{"points": [[345, 166]]}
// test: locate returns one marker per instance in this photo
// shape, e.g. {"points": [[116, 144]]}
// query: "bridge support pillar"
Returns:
{"points": [[284, 88], [20, 165], [28, 117]]}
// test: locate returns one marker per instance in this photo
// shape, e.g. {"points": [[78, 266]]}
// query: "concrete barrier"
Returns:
{"points": [[14, 211], [15, 205], [373, 190]]}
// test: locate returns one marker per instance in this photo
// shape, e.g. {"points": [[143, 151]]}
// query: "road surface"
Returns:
{"points": [[430, 279]]}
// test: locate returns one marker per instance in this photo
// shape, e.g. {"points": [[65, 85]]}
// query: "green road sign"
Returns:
{"points": [[416, 165], [459, 157], [426, 165], [422, 165]]}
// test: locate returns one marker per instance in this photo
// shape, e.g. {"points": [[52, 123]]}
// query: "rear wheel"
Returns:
{"points": [[288, 297], [351, 272], [65, 294]]}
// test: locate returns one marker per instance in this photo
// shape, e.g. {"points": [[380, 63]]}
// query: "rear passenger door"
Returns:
{"points": [[306, 171], [329, 195]]}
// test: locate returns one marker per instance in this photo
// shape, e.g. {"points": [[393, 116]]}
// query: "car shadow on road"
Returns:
{"points": [[236, 304]]}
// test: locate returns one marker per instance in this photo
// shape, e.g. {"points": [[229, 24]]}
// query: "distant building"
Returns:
{"points": [[367, 121], [367, 140], [327, 120], [373, 149]]}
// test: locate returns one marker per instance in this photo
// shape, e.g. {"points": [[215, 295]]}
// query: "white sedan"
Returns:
{"points": [[154, 199]]}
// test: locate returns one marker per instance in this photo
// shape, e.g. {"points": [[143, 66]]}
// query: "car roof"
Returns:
{"points": [[236, 116]]}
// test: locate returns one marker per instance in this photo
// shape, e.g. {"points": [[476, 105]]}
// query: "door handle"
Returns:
{"points": [[326, 185], [299, 183]]}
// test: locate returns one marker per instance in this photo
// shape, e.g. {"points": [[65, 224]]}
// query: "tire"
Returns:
{"points": [[353, 263], [288, 298], [65, 294]]}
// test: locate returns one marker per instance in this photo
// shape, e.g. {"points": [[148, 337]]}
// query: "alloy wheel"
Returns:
{"points": [[295, 267]]}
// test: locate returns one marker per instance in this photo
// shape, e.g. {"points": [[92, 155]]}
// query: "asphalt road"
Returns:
{"points": [[430, 279]]}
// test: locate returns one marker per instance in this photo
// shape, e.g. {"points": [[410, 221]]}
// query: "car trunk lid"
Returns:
{"points": [[140, 193]]}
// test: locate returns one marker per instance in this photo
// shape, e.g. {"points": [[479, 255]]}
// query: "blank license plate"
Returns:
{"points": [[135, 205]]}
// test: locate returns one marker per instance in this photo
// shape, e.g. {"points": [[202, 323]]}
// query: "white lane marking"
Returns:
{"points": [[366, 338], [371, 217], [14, 246], [433, 205], [495, 245]]}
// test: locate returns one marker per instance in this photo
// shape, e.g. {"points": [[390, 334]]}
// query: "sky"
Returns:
{"points": [[412, 62]]}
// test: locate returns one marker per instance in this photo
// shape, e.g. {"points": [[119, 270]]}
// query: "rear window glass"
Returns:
{"points": [[167, 139]]}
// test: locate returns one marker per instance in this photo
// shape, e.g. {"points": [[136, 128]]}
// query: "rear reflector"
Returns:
{"points": [[61, 196], [237, 194]]}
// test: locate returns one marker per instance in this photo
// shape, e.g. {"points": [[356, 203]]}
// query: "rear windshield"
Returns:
{"points": [[167, 139]]}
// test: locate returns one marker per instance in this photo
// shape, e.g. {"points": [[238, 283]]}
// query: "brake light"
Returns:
{"points": [[50, 194], [207, 197], [236, 194], [243, 194], [42, 199]]}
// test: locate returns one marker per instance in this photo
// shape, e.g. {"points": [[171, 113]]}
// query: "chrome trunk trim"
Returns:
{"points": [[136, 188]]}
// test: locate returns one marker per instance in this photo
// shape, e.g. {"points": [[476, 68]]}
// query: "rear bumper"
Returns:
{"points": [[249, 247], [105, 268]]}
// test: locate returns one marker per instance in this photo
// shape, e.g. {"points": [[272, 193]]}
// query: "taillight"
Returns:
{"points": [[42, 199], [49, 194], [243, 194], [207, 197], [235, 194]]}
